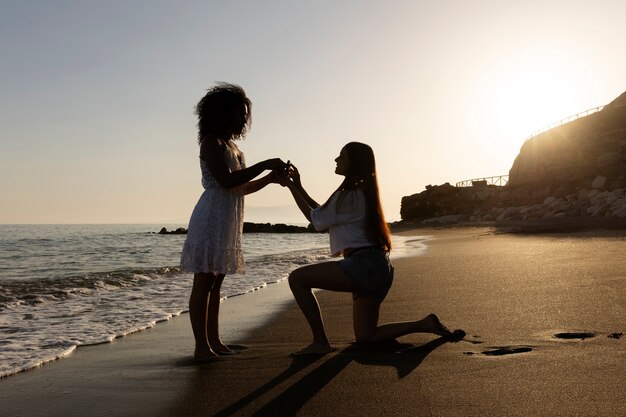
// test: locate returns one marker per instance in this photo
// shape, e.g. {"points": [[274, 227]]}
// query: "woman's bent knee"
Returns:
{"points": [[295, 279]]}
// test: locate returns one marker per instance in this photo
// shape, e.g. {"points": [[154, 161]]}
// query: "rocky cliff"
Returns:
{"points": [[575, 153], [575, 170]]}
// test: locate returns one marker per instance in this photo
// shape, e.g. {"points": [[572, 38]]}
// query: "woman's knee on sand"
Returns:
{"points": [[365, 312]]}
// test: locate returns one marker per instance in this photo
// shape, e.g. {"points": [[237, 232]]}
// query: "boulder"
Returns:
{"points": [[598, 182], [178, 231]]}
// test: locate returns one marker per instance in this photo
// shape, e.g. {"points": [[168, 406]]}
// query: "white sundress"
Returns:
{"points": [[213, 241]]}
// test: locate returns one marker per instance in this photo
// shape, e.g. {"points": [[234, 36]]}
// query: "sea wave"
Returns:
{"points": [[45, 319], [15, 293], [51, 309]]}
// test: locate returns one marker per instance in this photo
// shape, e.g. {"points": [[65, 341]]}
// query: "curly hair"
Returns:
{"points": [[225, 111]]}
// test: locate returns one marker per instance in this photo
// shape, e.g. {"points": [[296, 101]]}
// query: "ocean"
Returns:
{"points": [[64, 286]]}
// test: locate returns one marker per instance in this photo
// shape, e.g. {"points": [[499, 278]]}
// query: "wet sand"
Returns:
{"points": [[544, 316]]}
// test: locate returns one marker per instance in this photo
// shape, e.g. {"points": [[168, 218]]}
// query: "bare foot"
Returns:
{"points": [[314, 349], [457, 335], [230, 350], [221, 349], [437, 327], [204, 355]]}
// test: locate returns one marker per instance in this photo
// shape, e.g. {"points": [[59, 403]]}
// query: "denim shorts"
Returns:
{"points": [[371, 272]]}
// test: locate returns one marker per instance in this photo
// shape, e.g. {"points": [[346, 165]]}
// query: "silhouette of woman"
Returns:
{"points": [[354, 218], [213, 245]]}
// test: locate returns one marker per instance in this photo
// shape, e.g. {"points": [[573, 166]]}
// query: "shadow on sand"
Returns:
{"points": [[586, 226], [404, 357]]}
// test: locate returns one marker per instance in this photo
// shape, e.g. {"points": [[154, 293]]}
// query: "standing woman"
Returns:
{"points": [[354, 218], [213, 245]]}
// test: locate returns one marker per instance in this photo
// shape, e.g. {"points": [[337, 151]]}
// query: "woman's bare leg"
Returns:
{"points": [[213, 332], [326, 276], [198, 305], [367, 330]]}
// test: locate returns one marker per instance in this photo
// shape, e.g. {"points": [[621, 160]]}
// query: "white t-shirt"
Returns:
{"points": [[345, 224]]}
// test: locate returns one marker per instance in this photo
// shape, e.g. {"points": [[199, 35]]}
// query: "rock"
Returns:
{"points": [[598, 182], [575, 152], [618, 203], [510, 213], [276, 228], [583, 194], [179, 231], [444, 200], [620, 212], [600, 198], [255, 228], [549, 201], [443, 220], [577, 169], [594, 210]]}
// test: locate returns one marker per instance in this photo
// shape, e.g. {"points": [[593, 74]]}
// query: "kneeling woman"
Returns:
{"points": [[354, 218]]}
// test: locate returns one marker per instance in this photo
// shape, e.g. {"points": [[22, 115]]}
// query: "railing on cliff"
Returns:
{"points": [[500, 180], [564, 121]]}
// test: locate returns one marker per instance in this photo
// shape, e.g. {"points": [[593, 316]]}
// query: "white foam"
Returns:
{"points": [[46, 319]]}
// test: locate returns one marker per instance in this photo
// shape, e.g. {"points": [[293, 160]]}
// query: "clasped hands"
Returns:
{"points": [[285, 175]]}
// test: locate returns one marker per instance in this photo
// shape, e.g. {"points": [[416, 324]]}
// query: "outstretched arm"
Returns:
{"points": [[295, 175], [257, 185], [211, 151], [302, 198]]}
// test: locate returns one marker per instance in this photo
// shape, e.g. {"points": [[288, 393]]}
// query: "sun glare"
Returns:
{"points": [[528, 91]]}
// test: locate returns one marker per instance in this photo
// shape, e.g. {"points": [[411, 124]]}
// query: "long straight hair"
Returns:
{"points": [[362, 176]]}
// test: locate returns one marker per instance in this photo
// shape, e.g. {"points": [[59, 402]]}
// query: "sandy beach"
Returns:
{"points": [[544, 316]]}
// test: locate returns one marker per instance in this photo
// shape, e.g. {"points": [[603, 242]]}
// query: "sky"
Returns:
{"points": [[97, 98]]}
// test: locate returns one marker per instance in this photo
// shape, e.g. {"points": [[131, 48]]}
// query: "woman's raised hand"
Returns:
{"points": [[279, 176], [274, 164], [294, 174]]}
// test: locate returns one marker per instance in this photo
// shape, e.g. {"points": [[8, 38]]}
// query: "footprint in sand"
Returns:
{"points": [[503, 350], [474, 340], [507, 350], [575, 335], [511, 350], [584, 335]]}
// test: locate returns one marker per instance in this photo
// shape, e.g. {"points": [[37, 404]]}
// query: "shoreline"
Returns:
{"points": [[150, 372], [279, 293], [227, 294], [599, 225]]}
